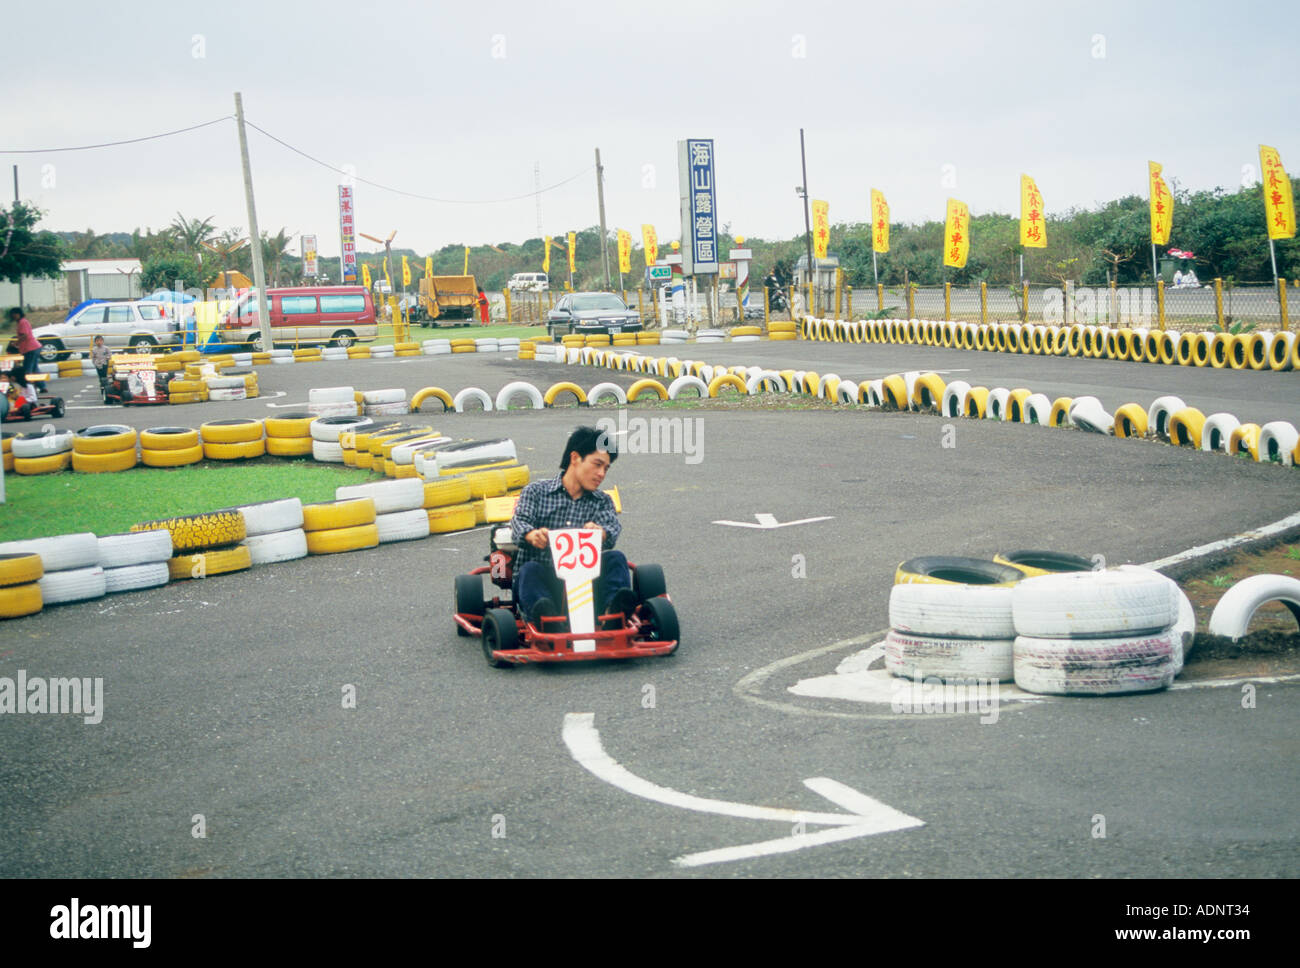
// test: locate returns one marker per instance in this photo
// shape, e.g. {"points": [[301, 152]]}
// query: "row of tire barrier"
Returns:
{"points": [[1067, 629], [1262, 350]]}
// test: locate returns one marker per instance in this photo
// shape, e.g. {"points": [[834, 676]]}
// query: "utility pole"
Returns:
{"points": [[259, 273], [807, 221], [600, 196], [21, 304]]}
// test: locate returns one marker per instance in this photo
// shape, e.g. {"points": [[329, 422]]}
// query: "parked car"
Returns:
{"points": [[529, 282], [338, 315], [592, 312], [144, 327]]}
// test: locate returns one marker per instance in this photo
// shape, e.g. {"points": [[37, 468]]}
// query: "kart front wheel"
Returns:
{"points": [[59, 408], [499, 632], [662, 626], [468, 596]]}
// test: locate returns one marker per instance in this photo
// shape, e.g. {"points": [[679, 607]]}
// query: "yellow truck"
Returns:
{"points": [[447, 297]]}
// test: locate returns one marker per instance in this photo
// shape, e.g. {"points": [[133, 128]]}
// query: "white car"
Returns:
{"points": [[529, 282], [143, 327]]}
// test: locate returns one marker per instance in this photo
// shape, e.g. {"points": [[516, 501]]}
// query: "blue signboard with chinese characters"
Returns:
{"points": [[699, 213]]}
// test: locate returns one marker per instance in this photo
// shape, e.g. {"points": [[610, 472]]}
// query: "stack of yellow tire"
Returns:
{"points": [[597, 339], [528, 349], [463, 346], [361, 455], [623, 339], [170, 447], [406, 349], [204, 545], [447, 501], [43, 451], [307, 354], [232, 439], [781, 330], [336, 526], [576, 340], [647, 339], [289, 434], [169, 363], [7, 447], [20, 591], [107, 447], [358, 352], [263, 357], [392, 468], [401, 433], [70, 367]]}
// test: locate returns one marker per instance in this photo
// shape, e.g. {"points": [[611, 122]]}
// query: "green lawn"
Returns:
{"points": [[49, 504]]}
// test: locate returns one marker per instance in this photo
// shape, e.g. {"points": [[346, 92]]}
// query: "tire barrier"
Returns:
{"points": [[928, 392], [168, 438], [1244, 439], [954, 399], [104, 439], [199, 532], [1086, 413], [172, 458], [687, 382], [1130, 421], [1094, 667], [640, 387], [72, 585], [131, 578], [206, 564], [1231, 616], [604, 390], [728, 380], [134, 548], [1038, 409], [1016, 400], [402, 525], [41, 443], [954, 570], [516, 389], [21, 568], [243, 430], [265, 517], [1185, 428], [1158, 414], [471, 393], [1034, 563], [387, 497], [1217, 431], [975, 403], [997, 403], [436, 393], [556, 389], [1278, 440], [948, 659], [17, 601]]}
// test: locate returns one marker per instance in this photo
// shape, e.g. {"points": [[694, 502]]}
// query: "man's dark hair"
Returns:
{"points": [[16, 313], [586, 440]]}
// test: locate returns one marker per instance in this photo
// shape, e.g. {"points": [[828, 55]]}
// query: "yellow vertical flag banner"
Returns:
{"points": [[428, 266], [821, 213], [879, 222], [365, 275], [573, 251], [466, 270], [624, 251], [406, 272], [1033, 229], [1162, 206], [387, 278], [956, 235], [1279, 202], [546, 254], [650, 243]]}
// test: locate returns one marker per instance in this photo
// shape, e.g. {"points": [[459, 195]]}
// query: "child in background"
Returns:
{"points": [[99, 358]]}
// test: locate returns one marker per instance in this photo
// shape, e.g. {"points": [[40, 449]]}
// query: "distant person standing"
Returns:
{"points": [[482, 306], [28, 345], [100, 355]]}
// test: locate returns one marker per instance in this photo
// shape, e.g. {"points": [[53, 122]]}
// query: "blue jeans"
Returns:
{"points": [[536, 580]]}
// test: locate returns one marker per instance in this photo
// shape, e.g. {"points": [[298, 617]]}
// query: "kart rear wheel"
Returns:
{"points": [[648, 582], [499, 632], [468, 596], [59, 408], [662, 626]]}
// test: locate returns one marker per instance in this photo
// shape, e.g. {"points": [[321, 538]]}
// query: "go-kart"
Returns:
{"points": [[46, 405], [509, 638], [132, 382]]}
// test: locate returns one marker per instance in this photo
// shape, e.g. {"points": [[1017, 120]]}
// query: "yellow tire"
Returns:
{"points": [[976, 402], [1130, 421], [19, 600], [410, 436], [241, 451], [1060, 416], [364, 460], [403, 471], [306, 351], [184, 398], [464, 349], [168, 438], [1185, 349], [893, 392], [436, 393], [927, 392], [171, 458], [289, 426], [1168, 348], [206, 564], [727, 380], [288, 446], [332, 541], [168, 364], [447, 491], [456, 517], [358, 352], [646, 386], [42, 465], [104, 463], [8, 462], [349, 457], [1200, 349], [104, 442], [747, 331], [516, 477], [1016, 400], [399, 347], [557, 388], [486, 483], [184, 386], [361, 438], [187, 356], [239, 431], [1245, 438], [198, 532], [20, 567], [1185, 428], [781, 326], [338, 515]]}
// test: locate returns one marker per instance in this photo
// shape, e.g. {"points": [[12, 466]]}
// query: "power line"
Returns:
{"points": [[113, 144], [427, 198]]}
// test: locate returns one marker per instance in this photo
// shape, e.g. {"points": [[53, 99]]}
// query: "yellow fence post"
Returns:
{"points": [[1281, 299], [811, 301], [509, 308], [1160, 302], [767, 308], [880, 297], [911, 300], [984, 302], [947, 301], [839, 290], [1024, 302], [1112, 314], [849, 306], [1218, 302]]}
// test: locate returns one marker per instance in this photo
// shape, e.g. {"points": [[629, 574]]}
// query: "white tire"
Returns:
{"points": [[334, 353], [232, 393], [63, 552], [686, 382], [134, 548], [1095, 667], [130, 578], [403, 525], [405, 453], [997, 405], [1277, 442], [486, 344], [480, 450], [606, 389], [952, 611], [396, 395], [1184, 628], [42, 443], [224, 382], [1081, 403], [674, 334], [387, 409], [710, 333], [1038, 409], [327, 429], [1087, 414], [952, 660], [1231, 617], [398, 494], [847, 392], [520, 388], [1218, 431], [323, 450], [266, 517], [378, 352], [73, 585], [1158, 414], [242, 359], [468, 394], [281, 354], [1088, 604], [755, 382], [348, 409], [276, 546], [954, 398], [282, 360]]}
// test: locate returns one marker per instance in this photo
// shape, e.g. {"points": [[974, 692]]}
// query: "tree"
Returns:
{"points": [[24, 251], [192, 233], [274, 249], [176, 270]]}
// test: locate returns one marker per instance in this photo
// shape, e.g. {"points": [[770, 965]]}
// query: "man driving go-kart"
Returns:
{"points": [[572, 500]]}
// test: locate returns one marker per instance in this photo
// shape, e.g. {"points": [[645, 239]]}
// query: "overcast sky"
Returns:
{"points": [[459, 101]]}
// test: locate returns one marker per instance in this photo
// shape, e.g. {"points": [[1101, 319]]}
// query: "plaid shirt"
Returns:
{"points": [[546, 504]]}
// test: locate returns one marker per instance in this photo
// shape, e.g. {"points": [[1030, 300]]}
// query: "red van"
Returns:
{"points": [[337, 315]]}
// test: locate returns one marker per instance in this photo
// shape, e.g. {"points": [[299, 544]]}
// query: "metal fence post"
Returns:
{"points": [[1218, 302], [839, 290], [767, 306], [1024, 302], [1281, 301], [1160, 302], [984, 302], [509, 308], [947, 301], [1113, 314], [880, 297], [911, 300], [849, 308]]}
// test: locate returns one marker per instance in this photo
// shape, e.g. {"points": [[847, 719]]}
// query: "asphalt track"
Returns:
{"points": [[223, 697]]}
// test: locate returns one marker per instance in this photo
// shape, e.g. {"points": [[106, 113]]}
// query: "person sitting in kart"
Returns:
{"points": [[22, 395], [572, 500]]}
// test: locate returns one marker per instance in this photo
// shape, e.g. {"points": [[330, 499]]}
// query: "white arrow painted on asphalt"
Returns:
{"points": [[867, 816], [766, 522]]}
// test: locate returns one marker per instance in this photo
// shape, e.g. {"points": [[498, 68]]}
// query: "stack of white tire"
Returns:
{"points": [[281, 357], [487, 344], [953, 632], [71, 563], [135, 560], [436, 347], [273, 531], [384, 403], [508, 344], [334, 353], [383, 351], [325, 433], [399, 507], [710, 336], [1099, 632], [332, 401], [673, 336]]}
